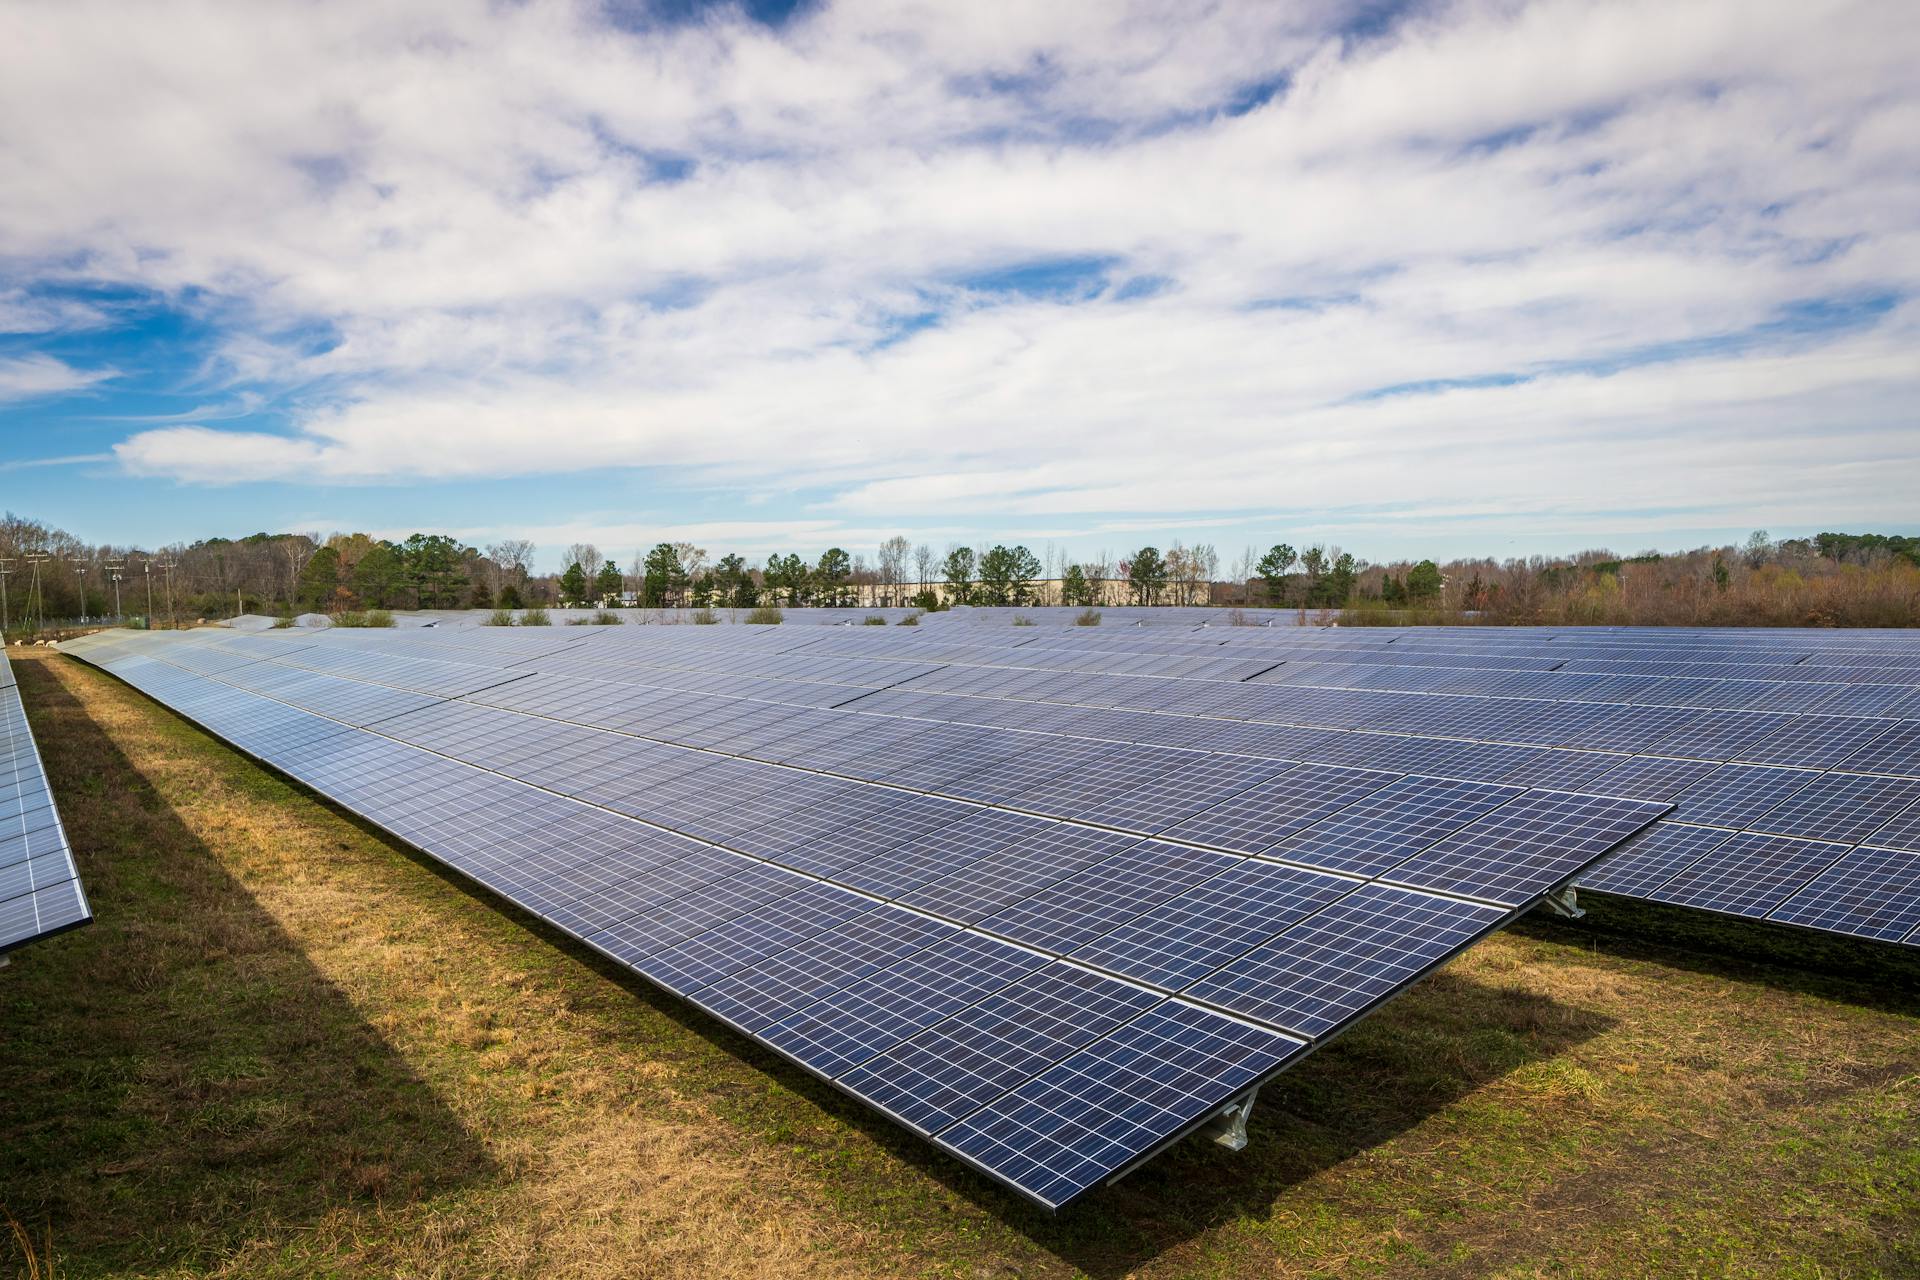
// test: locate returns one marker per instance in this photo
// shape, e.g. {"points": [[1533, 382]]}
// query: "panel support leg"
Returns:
{"points": [[1229, 1127], [1564, 903]]}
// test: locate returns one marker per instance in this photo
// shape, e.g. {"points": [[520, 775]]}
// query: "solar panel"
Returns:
{"points": [[1052, 918], [1262, 816], [1748, 875], [1091, 1115], [960, 1064], [1869, 893], [1320, 973], [1196, 932], [1523, 849], [40, 892], [1650, 859], [1391, 825]]}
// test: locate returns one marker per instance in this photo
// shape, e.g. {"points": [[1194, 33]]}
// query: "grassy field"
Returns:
{"points": [[289, 1047]]}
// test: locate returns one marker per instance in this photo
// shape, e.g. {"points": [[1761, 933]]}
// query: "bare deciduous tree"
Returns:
{"points": [[925, 561], [893, 566], [512, 560]]}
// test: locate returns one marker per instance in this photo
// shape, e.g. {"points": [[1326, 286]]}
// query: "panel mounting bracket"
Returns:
{"points": [[1229, 1126], [1564, 902]]}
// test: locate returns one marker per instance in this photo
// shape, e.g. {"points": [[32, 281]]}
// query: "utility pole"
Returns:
{"points": [[38, 601], [6, 619], [166, 567], [82, 571], [146, 569], [114, 569]]}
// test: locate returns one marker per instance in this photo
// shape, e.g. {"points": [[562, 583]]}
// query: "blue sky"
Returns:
{"points": [[1413, 278]]}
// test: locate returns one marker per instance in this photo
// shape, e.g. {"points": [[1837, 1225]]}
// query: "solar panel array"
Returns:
{"points": [[1049, 948], [1782, 751], [40, 891], [1798, 749]]}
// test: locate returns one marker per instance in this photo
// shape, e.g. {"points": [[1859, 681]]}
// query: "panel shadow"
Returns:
{"points": [[179, 1079]]}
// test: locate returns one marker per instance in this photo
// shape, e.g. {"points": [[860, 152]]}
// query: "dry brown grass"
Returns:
{"points": [[289, 1048]]}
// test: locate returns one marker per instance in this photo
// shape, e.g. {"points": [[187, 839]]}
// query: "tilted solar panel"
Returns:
{"points": [[974, 929], [40, 891]]}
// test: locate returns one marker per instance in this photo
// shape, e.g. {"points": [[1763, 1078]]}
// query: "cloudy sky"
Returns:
{"points": [[1410, 277]]}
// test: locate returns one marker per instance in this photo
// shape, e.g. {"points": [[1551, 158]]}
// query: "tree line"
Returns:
{"points": [[1829, 579]]}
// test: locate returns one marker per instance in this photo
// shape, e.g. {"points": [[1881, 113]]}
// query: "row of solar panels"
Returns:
{"points": [[1809, 819], [969, 928], [1355, 647], [1824, 691], [40, 891], [1134, 653]]}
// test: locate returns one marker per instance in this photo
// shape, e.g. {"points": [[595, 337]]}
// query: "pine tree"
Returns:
{"points": [[607, 584], [1273, 568], [573, 585]]}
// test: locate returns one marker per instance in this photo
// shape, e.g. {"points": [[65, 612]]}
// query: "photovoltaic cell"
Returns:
{"points": [[1735, 794], [1262, 816], [1189, 936], [1016, 871], [1838, 806], [1901, 833], [1071, 912], [783, 982], [872, 1015], [1819, 742]]}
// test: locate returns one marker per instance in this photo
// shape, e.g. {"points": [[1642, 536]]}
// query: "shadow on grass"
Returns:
{"points": [[180, 1080], [1875, 975]]}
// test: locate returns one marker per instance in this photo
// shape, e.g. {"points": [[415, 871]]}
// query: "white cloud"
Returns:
{"points": [[1611, 205], [42, 375]]}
